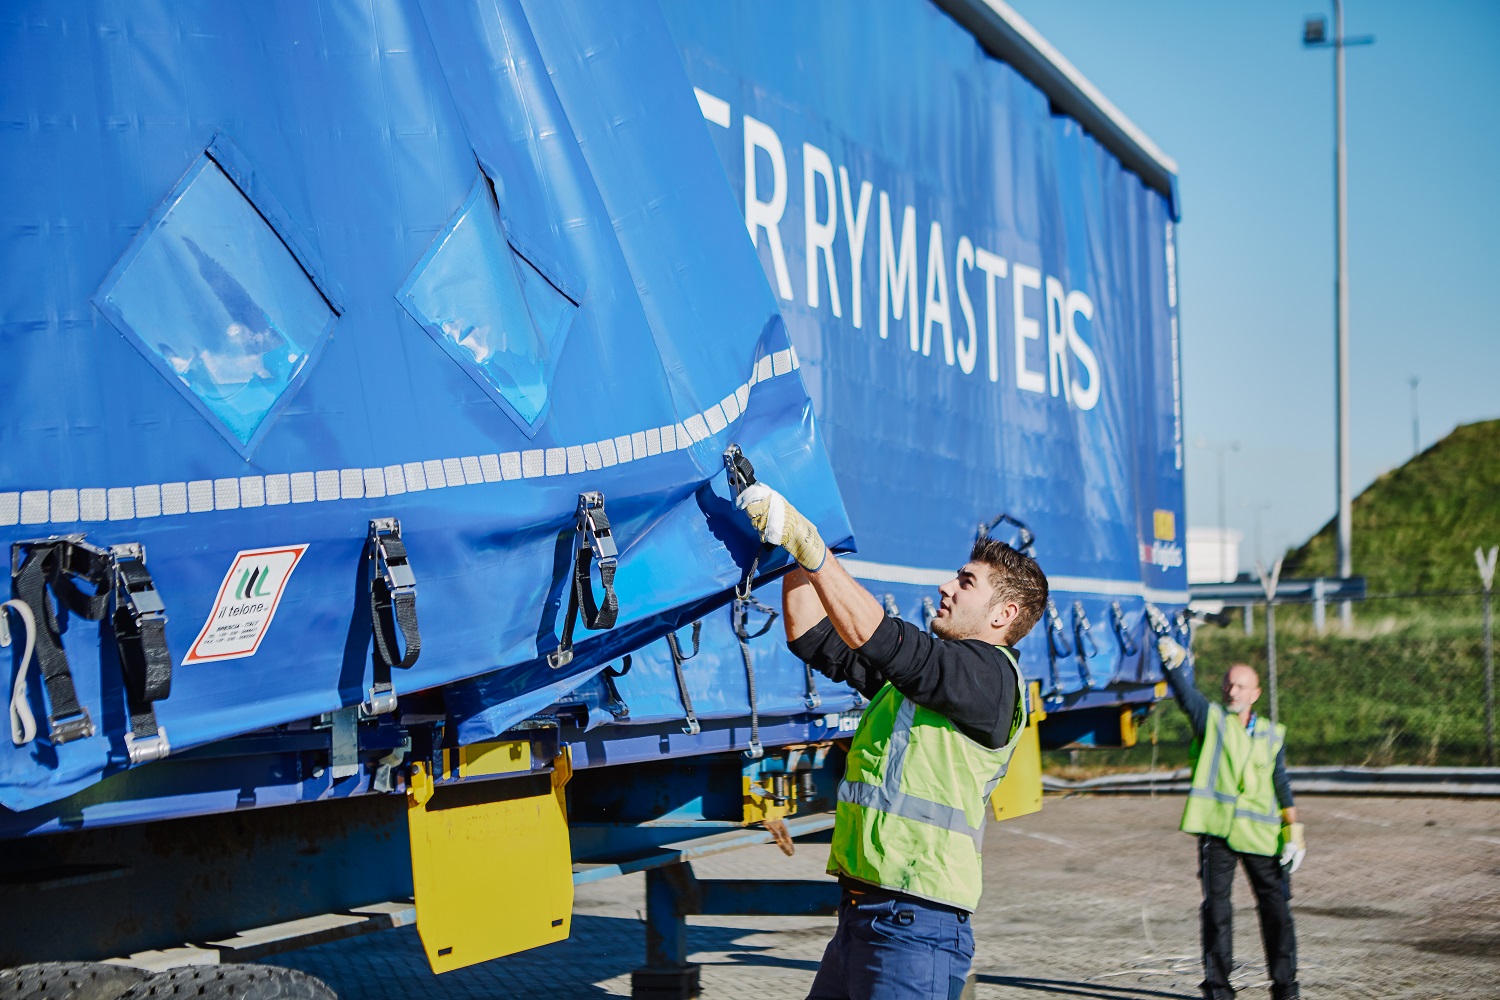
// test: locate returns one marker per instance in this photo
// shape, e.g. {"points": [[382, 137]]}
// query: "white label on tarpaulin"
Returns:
{"points": [[246, 604]]}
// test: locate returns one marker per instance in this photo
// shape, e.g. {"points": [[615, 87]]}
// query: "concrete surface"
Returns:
{"points": [[1093, 897]]}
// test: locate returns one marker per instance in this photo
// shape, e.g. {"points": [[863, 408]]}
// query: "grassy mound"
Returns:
{"points": [[1416, 527]]}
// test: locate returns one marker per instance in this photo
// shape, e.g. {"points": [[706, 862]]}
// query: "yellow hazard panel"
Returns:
{"points": [[490, 861], [1020, 791]]}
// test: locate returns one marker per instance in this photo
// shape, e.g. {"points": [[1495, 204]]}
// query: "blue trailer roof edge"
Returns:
{"points": [[1009, 37]]}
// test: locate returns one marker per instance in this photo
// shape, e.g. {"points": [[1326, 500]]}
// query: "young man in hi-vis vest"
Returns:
{"points": [[946, 711], [1239, 780]]}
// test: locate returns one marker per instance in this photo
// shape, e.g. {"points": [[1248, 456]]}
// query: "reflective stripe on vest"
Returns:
{"points": [[913, 803], [888, 797], [1245, 812]]}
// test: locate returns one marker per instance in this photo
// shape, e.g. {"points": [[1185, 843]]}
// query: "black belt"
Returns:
{"points": [[139, 623], [595, 541], [692, 728], [393, 612], [56, 563]]}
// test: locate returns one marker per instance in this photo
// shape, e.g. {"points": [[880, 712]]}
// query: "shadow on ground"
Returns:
{"points": [[390, 965], [1066, 988]]}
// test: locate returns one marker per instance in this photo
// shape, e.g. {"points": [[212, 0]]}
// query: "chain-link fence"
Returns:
{"points": [[1406, 685]]}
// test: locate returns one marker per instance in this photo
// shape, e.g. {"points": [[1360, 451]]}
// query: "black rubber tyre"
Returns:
{"points": [[68, 981], [233, 982]]}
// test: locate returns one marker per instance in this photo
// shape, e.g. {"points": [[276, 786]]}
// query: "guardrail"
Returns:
{"points": [[1454, 782]]}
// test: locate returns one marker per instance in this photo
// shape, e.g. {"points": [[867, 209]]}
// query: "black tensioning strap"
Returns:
{"points": [[1083, 643], [593, 535], [617, 706], [145, 661], [741, 612], [692, 728], [54, 563], [393, 613], [1117, 619]]}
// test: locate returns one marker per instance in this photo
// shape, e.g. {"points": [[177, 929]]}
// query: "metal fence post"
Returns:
{"points": [[1249, 619], [1319, 605], [1268, 583], [1487, 576]]}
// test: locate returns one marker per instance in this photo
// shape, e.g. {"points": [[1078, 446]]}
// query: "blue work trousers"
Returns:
{"points": [[895, 949]]}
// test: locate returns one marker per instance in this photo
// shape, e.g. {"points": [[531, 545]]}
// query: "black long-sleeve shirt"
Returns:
{"points": [[966, 680], [1195, 704]]}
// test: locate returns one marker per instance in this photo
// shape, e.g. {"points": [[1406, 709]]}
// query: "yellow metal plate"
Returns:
{"points": [[1020, 791], [491, 863], [478, 759]]}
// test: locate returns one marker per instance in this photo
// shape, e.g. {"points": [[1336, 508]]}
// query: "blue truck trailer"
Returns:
{"points": [[369, 372]]}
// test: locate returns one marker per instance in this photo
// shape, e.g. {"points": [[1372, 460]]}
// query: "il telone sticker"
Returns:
{"points": [[246, 604]]}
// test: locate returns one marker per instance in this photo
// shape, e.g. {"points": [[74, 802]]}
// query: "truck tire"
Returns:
{"points": [[232, 982], [75, 980]]}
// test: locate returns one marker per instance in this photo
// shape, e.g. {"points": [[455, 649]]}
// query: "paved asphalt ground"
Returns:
{"points": [[1094, 897]]}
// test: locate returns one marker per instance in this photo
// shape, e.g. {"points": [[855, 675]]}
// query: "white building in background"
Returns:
{"points": [[1213, 554]]}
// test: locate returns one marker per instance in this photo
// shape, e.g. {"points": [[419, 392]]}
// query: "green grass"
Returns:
{"points": [[1399, 690], [1415, 528], [1406, 686]]}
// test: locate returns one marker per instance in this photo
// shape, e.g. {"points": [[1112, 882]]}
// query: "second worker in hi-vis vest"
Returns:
{"points": [[945, 713], [1239, 780]]}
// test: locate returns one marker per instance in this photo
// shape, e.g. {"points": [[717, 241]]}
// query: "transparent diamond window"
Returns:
{"points": [[209, 293], [490, 309]]}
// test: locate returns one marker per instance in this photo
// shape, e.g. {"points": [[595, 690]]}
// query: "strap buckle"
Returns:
{"points": [[144, 749], [391, 561], [1159, 623], [67, 728], [393, 610], [595, 543], [1117, 619], [593, 525], [135, 591], [379, 700]]}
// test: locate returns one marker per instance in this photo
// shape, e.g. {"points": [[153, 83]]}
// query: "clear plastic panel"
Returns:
{"points": [[212, 294], [490, 309]]}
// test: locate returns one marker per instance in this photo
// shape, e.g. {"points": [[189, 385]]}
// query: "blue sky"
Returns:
{"points": [[1228, 91]]}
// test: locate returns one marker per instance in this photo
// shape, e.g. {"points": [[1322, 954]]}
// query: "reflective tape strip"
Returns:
{"points": [[887, 797], [1273, 817], [919, 810], [70, 505]]}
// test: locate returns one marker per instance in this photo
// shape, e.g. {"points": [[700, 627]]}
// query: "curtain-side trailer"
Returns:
{"points": [[368, 376]]}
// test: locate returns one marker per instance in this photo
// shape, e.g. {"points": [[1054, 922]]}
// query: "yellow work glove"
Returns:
{"points": [[1172, 652], [1294, 846], [779, 523]]}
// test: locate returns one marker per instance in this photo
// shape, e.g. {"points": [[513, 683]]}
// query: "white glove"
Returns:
{"points": [[779, 523], [1173, 655], [1294, 847]]}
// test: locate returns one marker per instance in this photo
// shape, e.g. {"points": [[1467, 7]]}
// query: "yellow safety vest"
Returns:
{"points": [[914, 799], [1232, 794]]}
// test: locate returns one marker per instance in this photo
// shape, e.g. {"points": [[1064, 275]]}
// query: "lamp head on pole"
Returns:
{"points": [[1315, 31]]}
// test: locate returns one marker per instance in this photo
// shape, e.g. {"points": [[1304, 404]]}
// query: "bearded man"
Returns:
{"points": [[946, 711]]}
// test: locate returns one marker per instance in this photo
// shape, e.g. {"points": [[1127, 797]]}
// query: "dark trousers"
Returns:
{"points": [[1273, 893], [891, 947]]}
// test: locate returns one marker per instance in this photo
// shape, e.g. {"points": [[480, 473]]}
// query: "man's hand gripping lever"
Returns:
{"points": [[777, 521]]}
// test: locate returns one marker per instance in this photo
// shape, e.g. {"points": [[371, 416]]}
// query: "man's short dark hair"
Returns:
{"points": [[1014, 576]]}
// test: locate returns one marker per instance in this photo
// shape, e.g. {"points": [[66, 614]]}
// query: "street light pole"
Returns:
{"points": [[1341, 157], [1315, 35], [1416, 426]]}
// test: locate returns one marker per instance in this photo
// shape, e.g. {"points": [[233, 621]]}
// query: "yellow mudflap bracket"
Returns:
{"points": [[490, 860], [1020, 791], [768, 804]]}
